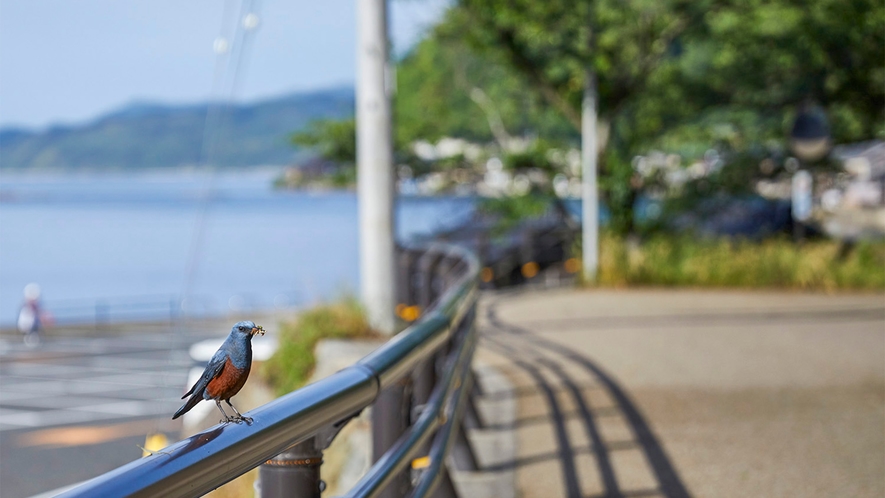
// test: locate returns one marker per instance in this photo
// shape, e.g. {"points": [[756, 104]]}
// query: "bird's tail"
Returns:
{"points": [[190, 403]]}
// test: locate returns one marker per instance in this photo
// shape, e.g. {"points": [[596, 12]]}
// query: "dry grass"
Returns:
{"points": [[773, 263]]}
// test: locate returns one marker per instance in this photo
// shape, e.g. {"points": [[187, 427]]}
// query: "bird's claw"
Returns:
{"points": [[236, 420]]}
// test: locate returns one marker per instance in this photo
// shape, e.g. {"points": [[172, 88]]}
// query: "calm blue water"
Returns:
{"points": [[88, 237]]}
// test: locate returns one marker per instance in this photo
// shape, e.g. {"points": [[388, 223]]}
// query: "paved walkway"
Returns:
{"points": [[693, 393], [77, 407]]}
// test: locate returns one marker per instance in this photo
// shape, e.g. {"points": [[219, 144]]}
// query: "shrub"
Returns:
{"points": [[291, 365]]}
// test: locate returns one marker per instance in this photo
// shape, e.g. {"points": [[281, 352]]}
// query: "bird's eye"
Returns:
{"points": [[242, 328]]}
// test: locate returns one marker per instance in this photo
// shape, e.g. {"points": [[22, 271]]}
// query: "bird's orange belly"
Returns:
{"points": [[228, 383]]}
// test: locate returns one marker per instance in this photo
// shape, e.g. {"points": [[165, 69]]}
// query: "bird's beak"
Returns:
{"points": [[258, 329]]}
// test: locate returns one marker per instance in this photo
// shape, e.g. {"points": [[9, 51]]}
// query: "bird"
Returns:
{"points": [[226, 372]]}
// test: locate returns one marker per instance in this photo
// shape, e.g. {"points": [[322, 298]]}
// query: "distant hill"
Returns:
{"points": [[146, 135]]}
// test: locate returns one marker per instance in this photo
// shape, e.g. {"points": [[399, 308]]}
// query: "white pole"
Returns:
{"points": [[374, 152], [590, 204]]}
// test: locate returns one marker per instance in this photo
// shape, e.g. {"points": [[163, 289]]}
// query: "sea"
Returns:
{"points": [[106, 246]]}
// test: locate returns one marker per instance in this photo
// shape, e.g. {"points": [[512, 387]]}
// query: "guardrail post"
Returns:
{"points": [[424, 380], [446, 488], [390, 419], [404, 276], [295, 472], [426, 266], [443, 274], [462, 450]]}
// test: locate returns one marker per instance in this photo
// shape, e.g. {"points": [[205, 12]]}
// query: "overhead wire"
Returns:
{"points": [[227, 79]]}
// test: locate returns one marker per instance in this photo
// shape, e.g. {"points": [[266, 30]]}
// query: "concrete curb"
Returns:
{"points": [[491, 447]]}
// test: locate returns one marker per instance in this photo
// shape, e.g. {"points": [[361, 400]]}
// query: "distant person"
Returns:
{"points": [[31, 316]]}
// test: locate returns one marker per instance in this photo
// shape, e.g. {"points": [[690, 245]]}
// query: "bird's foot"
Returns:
{"points": [[240, 418]]}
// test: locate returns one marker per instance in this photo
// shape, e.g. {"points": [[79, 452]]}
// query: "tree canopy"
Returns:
{"points": [[662, 64], [679, 76]]}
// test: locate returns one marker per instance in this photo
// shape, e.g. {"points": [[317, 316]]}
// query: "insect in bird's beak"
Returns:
{"points": [[258, 329]]}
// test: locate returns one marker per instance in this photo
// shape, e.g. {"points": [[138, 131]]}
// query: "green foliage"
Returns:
{"points": [[661, 64], [552, 44], [512, 210], [334, 140], [444, 88], [292, 363], [780, 263], [619, 190], [682, 76], [536, 158], [770, 56]]}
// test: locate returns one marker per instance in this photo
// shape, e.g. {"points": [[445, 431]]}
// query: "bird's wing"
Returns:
{"points": [[213, 369]]}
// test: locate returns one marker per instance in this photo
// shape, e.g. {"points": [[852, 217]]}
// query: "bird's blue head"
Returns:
{"points": [[247, 328]]}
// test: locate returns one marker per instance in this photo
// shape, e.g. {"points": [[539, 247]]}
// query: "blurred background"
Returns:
{"points": [[134, 137], [164, 160]]}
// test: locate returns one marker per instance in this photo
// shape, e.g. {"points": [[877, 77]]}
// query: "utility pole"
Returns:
{"points": [[374, 158], [590, 194]]}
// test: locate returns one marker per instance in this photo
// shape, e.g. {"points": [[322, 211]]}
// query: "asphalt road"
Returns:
{"points": [[75, 408]]}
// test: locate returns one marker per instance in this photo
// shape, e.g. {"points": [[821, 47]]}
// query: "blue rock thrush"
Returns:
{"points": [[226, 372]]}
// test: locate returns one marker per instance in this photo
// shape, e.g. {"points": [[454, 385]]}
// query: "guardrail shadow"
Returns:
{"points": [[533, 355]]}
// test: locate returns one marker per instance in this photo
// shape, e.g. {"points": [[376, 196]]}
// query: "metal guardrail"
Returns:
{"points": [[103, 311], [416, 384]]}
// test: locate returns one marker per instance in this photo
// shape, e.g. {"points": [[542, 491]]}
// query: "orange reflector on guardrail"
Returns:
{"points": [[410, 313], [530, 269], [486, 275], [572, 265]]}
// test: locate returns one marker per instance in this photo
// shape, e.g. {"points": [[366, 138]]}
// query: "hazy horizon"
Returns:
{"points": [[136, 101]]}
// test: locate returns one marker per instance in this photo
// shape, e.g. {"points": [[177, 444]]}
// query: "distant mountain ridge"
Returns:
{"points": [[153, 135]]}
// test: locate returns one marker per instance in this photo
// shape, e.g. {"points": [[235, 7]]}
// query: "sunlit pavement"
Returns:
{"points": [[701, 393], [77, 407]]}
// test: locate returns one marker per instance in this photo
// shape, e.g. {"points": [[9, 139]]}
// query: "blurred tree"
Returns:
{"points": [[445, 88], [677, 75], [333, 140], [551, 44], [672, 71]]}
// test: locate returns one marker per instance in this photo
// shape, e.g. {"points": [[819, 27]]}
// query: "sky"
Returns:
{"points": [[64, 62]]}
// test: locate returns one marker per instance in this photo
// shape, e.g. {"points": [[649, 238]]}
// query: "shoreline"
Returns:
{"points": [[9, 333]]}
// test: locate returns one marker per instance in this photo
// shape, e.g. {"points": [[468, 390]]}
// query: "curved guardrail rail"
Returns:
{"points": [[423, 370]]}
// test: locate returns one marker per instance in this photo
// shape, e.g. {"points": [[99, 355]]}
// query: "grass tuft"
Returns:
{"points": [[291, 365], [669, 260]]}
